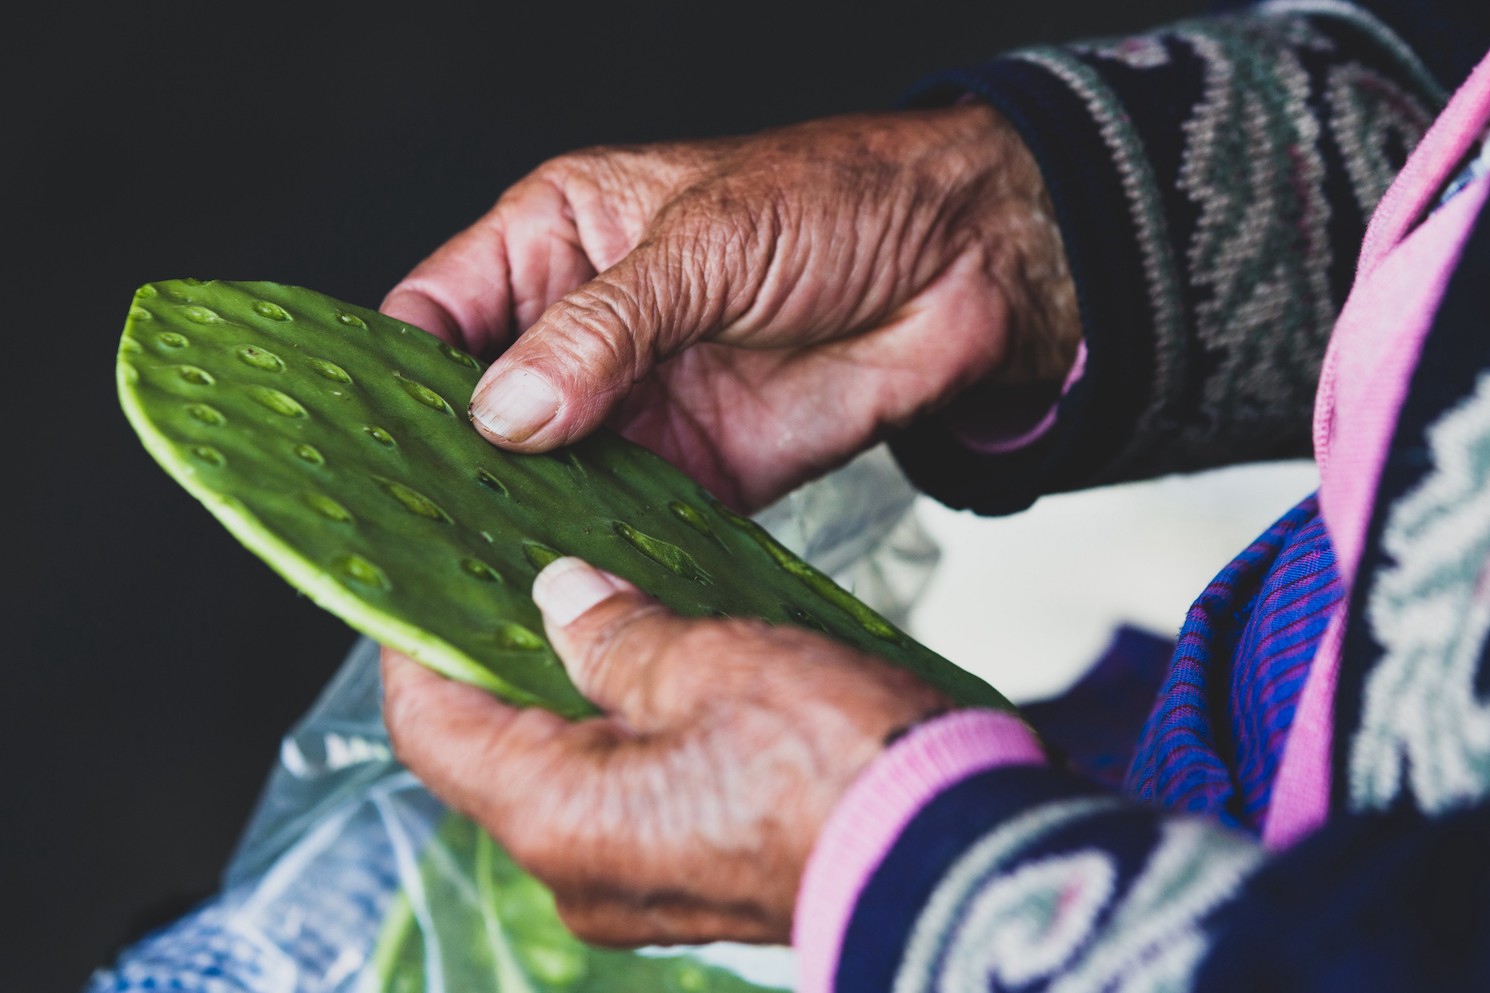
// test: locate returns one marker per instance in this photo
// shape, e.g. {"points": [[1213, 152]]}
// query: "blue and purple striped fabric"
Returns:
{"points": [[1214, 739]]}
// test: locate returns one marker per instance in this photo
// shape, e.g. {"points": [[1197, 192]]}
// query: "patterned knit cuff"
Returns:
{"points": [[1016, 419], [877, 807], [1211, 182]]}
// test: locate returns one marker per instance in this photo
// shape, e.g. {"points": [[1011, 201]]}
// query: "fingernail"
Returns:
{"points": [[516, 405], [568, 587]]}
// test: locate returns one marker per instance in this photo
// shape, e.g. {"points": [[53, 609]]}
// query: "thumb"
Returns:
{"points": [[567, 373], [621, 647]]}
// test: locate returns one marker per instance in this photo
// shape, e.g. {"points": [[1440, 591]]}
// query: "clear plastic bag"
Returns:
{"points": [[352, 878]]}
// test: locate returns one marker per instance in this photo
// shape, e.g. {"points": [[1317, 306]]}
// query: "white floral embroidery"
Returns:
{"points": [[1423, 726], [1059, 918], [1030, 923], [948, 903], [1154, 940]]}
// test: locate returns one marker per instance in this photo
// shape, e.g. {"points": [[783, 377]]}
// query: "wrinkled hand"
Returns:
{"points": [[687, 812], [757, 310]]}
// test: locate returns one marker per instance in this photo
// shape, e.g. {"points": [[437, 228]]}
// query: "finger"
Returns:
{"points": [[486, 284], [462, 292], [616, 642], [545, 254], [568, 372], [626, 921], [459, 739]]}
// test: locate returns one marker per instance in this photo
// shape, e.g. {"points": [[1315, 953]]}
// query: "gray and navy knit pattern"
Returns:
{"points": [[1212, 182]]}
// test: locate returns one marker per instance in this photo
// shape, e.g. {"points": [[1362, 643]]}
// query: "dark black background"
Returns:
{"points": [[150, 663]]}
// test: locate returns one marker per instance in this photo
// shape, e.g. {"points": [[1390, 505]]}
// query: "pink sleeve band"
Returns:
{"points": [[1404, 270], [875, 810], [998, 429]]}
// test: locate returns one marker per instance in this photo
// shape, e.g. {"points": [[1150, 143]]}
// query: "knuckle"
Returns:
{"points": [[507, 809], [397, 740], [623, 639], [598, 324], [730, 216], [400, 718], [531, 849], [613, 172], [414, 749], [564, 168], [710, 661], [723, 638], [724, 237], [578, 915]]}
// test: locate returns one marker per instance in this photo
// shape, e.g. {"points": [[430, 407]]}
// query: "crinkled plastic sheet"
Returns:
{"points": [[352, 878]]}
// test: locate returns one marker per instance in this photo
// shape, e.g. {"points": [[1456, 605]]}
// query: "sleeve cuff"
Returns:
{"points": [[1012, 420], [1139, 155], [876, 809]]}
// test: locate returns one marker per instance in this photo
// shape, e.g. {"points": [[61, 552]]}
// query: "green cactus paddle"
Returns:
{"points": [[332, 441]]}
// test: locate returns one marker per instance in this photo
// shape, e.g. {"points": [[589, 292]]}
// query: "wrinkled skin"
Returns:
{"points": [[686, 813], [758, 310], [766, 307]]}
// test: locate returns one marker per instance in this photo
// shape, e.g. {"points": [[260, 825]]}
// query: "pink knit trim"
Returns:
{"points": [[1400, 280], [1429, 167], [1426, 171], [875, 810], [1301, 792], [1006, 437], [1380, 335]]}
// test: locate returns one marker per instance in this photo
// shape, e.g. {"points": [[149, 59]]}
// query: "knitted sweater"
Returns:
{"points": [[1210, 180]]}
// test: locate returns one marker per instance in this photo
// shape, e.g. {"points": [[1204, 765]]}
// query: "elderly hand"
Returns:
{"points": [[686, 813], [757, 310]]}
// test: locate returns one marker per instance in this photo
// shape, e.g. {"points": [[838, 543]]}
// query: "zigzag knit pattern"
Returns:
{"points": [[1211, 181]]}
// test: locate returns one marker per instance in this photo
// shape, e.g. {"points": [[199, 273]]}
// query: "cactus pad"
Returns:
{"points": [[332, 441]]}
